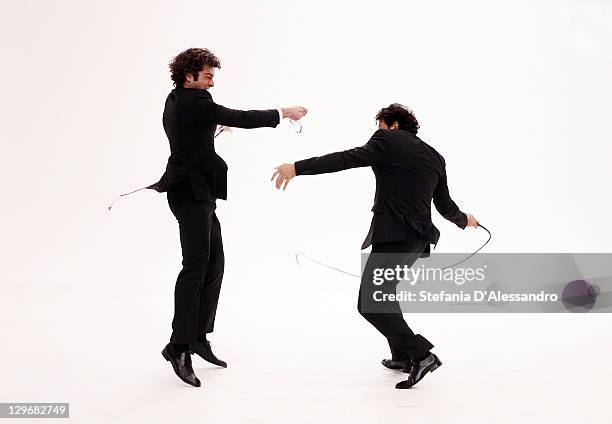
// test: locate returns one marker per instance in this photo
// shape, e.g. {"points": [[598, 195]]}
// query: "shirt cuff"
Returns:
{"points": [[280, 114]]}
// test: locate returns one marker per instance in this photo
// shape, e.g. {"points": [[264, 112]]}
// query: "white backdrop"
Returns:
{"points": [[515, 95]]}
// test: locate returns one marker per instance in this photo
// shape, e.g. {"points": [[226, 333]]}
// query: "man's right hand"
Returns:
{"points": [[472, 221], [295, 112]]}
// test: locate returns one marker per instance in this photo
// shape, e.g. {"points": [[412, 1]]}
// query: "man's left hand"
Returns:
{"points": [[283, 175]]}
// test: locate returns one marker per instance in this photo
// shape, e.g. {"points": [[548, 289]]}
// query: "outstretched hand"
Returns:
{"points": [[283, 175]]}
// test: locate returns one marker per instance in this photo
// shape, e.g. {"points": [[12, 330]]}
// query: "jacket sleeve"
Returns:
{"points": [[210, 112], [444, 204], [372, 153]]}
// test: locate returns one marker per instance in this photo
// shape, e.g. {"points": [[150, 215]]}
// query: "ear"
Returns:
{"points": [[395, 126], [188, 77]]}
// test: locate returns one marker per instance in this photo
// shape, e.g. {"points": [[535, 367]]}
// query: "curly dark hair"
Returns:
{"points": [[191, 61], [401, 114]]}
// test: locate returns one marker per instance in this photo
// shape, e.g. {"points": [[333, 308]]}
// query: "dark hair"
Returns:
{"points": [[400, 114], [191, 61]]}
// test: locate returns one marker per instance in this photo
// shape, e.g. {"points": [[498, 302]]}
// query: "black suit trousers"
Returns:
{"points": [[198, 284], [387, 317]]}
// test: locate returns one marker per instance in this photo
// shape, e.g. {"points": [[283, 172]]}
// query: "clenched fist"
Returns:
{"points": [[294, 112], [472, 221]]}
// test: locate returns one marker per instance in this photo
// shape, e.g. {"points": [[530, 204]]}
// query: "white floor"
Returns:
{"points": [[294, 356], [86, 296]]}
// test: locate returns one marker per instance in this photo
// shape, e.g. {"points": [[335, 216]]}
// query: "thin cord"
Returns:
{"points": [[124, 194], [485, 243], [333, 268], [297, 125], [219, 131]]}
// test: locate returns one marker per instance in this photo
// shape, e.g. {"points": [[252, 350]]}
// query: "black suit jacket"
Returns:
{"points": [[409, 174], [190, 120]]}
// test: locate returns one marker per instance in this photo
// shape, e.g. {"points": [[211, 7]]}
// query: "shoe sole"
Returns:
{"points": [[167, 358], [222, 365]]}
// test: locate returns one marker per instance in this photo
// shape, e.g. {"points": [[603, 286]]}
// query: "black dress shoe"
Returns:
{"points": [[203, 350], [418, 370], [181, 362], [396, 365]]}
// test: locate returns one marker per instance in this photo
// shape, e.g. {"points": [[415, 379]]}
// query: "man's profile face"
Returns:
{"points": [[205, 79]]}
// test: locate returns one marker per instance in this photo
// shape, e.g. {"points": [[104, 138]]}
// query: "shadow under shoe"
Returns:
{"points": [[395, 365], [418, 370], [204, 350], [181, 363]]}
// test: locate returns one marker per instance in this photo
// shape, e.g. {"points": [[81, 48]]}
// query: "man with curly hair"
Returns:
{"points": [[409, 175], [195, 177]]}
